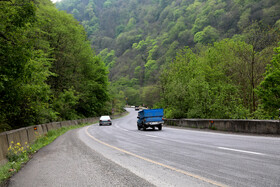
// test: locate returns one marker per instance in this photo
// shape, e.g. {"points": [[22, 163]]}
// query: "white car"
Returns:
{"points": [[105, 120]]}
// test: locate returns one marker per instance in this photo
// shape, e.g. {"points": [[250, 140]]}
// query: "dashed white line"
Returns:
{"points": [[242, 151], [150, 135], [224, 148]]}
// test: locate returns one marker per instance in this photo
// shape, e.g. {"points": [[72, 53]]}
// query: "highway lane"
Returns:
{"points": [[179, 157]]}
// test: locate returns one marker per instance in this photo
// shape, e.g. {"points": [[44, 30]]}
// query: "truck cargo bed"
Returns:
{"points": [[146, 113]]}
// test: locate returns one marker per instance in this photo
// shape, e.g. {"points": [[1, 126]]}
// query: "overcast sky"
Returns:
{"points": [[55, 1]]}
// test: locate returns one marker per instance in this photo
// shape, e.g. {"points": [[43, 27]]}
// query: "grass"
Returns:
{"points": [[18, 154]]}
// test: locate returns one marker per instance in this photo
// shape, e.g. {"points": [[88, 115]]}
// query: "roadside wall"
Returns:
{"points": [[245, 126], [30, 134]]}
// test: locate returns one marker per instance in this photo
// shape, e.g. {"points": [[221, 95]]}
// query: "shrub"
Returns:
{"points": [[16, 152]]}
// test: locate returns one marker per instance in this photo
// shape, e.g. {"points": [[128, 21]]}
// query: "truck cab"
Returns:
{"points": [[150, 118]]}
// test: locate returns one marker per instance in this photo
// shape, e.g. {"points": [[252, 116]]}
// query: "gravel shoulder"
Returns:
{"points": [[69, 162]]}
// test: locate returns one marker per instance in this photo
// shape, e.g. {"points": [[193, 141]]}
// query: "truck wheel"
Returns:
{"points": [[160, 127], [144, 127]]}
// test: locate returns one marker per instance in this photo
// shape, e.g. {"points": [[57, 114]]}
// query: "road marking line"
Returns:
{"points": [[242, 151], [150, 135], [155, 162]]}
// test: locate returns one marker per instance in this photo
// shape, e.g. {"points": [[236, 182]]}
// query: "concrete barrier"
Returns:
{"points": [[48, 126], [4, 145], [79, 121], [40, 130], [53, 126], [17, 136], [56, 125], [92, 120], [244, 126], [33, 132], [44, 128], [67, 123]]}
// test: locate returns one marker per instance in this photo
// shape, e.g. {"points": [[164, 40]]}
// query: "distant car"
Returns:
{"points": [[105, 120], [136, 107]]}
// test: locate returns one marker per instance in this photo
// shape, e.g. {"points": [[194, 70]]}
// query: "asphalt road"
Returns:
{"points": [[120, 155]]}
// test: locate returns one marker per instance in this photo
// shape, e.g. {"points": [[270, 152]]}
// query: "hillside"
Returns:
{"points": [[139, 39], [145, 34]]}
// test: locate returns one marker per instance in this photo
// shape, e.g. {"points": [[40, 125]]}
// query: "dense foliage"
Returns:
{"points": [[229, 69], [143, 35], [48, 70], [269, 89], [214, 78]]}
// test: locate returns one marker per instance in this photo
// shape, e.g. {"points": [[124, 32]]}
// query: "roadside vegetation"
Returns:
{"points": [[18, 154], [228, 80], [48, 70]]}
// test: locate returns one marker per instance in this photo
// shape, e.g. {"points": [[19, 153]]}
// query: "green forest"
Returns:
{"points": [[84, 58], [48, 71], [194, 58]]}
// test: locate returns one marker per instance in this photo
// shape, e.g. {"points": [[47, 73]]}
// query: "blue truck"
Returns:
{"points": [[150, 118]]}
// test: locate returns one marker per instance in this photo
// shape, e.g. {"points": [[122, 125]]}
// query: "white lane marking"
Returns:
{"points": [[135, 132], [224, 148], [149, 135], [121, 128], [117, 126], [242, 151]]}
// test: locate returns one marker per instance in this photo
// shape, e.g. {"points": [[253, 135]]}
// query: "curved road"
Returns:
{"points": [[120, 155]]}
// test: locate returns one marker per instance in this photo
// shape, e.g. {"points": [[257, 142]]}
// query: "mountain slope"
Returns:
{"points": [[146, 34], [141, 42]]}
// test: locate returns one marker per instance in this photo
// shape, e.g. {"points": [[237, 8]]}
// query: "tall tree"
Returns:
{"points": [[269, 89], [48, 69], [24, 66]]}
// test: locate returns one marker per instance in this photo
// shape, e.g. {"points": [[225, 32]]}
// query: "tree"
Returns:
{"points": [[48, 69], [207, 36], [201, 85], [150, 95], [24, 66], [269, 89], [108, 58], [261, 38]]}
